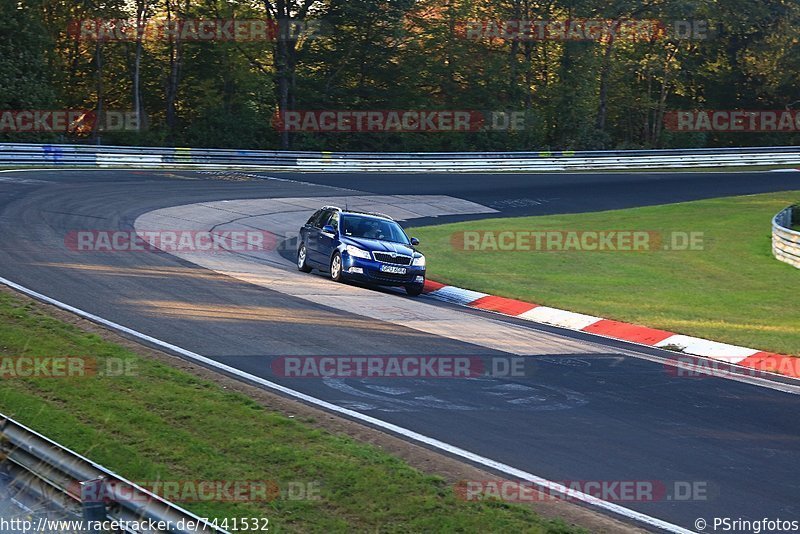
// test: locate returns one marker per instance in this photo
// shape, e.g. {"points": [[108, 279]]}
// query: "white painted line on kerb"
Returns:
{"points": [[562, 318], [706, 347], [409, 434]]}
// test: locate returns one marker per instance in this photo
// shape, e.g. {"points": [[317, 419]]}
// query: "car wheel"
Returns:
{"points": [[301, 259], [414, 290], [336, 267]]}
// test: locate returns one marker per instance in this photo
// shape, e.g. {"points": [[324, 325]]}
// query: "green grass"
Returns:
{"points": [[732, 291], [160, 423]]}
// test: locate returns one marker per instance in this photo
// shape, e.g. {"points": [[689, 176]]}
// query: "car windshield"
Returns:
{"points": [[373, 228]]}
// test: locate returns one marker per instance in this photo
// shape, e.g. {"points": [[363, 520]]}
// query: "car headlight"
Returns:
{"points": [[419, 261], [358, 253]]}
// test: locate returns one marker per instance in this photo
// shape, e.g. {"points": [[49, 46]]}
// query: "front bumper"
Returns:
{"points": [[369, 271]]}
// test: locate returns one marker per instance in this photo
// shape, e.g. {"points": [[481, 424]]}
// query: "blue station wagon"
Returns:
{"points": [[365, 247]]}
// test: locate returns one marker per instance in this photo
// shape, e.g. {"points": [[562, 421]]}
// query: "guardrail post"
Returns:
{"points": [[93, 502], [43, 460]]}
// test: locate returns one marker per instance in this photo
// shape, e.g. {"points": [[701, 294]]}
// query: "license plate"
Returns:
{"points": [[392, 269]]}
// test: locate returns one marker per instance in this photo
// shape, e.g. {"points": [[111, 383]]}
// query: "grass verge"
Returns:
{"points": [[732, 290], [159, 423]]}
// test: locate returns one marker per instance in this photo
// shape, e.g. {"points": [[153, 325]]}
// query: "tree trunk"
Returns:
{"points": [[285, 63], [658, 122], [605, 71], [284, 53], [98, 58], [141, 19], [173, 79]]}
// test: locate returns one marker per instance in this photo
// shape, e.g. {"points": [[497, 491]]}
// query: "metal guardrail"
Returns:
{"points": [[64, 478], [785, 241], [120, 157]]}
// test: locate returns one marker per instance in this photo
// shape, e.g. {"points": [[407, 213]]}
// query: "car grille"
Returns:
{"points": [[385, 257], [391, 277]]}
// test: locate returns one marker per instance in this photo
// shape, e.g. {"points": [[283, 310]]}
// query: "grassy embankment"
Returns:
{"points": [[161, 423], [732, 290]]}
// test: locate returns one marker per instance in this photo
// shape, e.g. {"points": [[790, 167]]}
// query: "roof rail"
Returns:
{"points": [[379, 214], [373, 213], [337, 208]]}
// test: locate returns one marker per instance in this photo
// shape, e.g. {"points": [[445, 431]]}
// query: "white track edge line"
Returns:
{"points": [[410, 434]]}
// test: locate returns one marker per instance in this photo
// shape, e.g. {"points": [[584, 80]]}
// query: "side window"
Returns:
{"points": [[314, 218], [334, 220], [323, 219]]}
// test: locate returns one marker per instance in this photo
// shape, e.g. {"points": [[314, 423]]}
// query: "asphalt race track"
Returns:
{"points": [[594, 411], [538, 194]]}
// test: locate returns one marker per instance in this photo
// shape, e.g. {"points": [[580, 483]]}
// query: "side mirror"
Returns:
{"points": [[328, 229], [414, 241]]}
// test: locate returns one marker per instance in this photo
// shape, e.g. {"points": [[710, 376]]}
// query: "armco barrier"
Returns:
{"points": [[54, 474], [785, 241], [121, 157]]}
